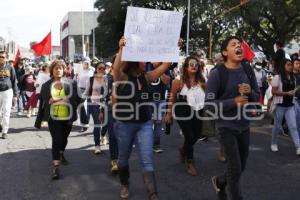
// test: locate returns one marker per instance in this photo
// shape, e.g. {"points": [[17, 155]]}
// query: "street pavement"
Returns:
{"points": [[25, 167]]}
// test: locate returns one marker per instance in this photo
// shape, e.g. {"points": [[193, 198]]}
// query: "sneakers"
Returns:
{"points": [[114, 167], [4, 136], [124, 192], [104, 140], [44, 124], [83, 129], [55, 174], [157, 149], [298, 152], [220, 191], [97, 150], [21, 114], [274, 148]]}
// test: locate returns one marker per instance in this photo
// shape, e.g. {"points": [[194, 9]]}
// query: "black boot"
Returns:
{"points": [[150, 184], [124, 179], [63, 160]]}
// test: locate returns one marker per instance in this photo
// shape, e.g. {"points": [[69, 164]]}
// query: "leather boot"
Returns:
{"points": [[150, 184], [190, 168], [221, 154], [124, 179]]}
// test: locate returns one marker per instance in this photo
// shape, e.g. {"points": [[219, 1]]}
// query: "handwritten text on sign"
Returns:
{"points": [[152, 35]]}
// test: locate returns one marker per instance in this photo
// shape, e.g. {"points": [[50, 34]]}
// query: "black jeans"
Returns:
{"points": [[236, 146], [191, 128], [60, 131]]}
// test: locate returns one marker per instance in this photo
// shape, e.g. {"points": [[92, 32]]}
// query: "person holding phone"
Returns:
{"points": [[283, 104]]}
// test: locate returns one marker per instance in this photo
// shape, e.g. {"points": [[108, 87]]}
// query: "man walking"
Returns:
{"points": [[230, 87], [8, 89]]}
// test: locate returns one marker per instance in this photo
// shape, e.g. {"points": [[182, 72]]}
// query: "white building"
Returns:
{"points": [[75, 33]]}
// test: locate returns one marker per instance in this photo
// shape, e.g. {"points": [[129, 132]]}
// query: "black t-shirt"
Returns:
{"points": [[132, 102], [157, 89], [287, 85]]}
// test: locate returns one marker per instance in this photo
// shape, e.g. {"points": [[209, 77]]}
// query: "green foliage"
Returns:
{"points": [[259, 22], [271, 20]]}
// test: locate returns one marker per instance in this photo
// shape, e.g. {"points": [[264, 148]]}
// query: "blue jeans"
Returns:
{"points": [[127, 133], [94, 110], [113, 142], [290, 115], [297, 108], [157, 122], [21, 102]]}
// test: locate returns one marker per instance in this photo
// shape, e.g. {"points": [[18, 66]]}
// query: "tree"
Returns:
{"points": [[268, 21], [111, 21], [259, 22]]}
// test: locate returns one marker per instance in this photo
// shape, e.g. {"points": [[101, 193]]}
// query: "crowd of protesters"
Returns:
{"points": [[157, 94]]}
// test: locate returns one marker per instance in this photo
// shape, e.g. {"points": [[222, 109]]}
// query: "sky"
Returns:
{"points": [[25, 21]]}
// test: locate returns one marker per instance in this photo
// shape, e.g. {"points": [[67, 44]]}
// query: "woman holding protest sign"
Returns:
{"points": [[132, 112], [187, 99]]}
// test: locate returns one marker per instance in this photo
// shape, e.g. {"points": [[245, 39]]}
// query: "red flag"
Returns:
{"points": [[243, 2], [44, 47], [248, 53], [17, 57]]}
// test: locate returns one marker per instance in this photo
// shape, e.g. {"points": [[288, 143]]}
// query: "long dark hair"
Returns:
{"points": [[283, 74], [185, 76], [130, 67]]}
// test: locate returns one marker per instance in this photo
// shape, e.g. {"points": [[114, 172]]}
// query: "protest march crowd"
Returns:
{"points": [[131, 102]]}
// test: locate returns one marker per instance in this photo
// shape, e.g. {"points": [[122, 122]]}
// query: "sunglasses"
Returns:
{"points": [[194, 64], [3, 57], [101, 68]]}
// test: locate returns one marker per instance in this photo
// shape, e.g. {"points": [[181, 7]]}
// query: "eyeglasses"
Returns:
{"points": [[3, 57]]}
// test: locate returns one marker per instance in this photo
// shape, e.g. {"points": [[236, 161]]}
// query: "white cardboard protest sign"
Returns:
{"points": [[77, 68], [152, 35]]}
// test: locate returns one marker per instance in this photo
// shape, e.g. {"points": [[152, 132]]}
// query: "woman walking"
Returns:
{"points": [[189, 93], [95, 92], [133, 119], [283, 104], [58, 104], [28, 90]]}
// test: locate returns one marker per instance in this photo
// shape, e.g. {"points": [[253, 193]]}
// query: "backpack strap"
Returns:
{"points": [[91, 86], [249, 72], [223, 74]]}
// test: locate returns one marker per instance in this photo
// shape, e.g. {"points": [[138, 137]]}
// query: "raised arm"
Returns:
{"points": [[156, 73], [118, 65]]}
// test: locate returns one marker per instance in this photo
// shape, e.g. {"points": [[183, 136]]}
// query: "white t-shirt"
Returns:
{"points": [[84, 77]]}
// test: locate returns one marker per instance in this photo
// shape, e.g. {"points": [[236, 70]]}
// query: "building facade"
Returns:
{"points": [[76, 28]]}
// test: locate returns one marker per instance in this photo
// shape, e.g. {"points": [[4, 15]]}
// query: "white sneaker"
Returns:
{"points": [[104, 140], [20, 114], [274, 148], [298, 152], [97, 150]]}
